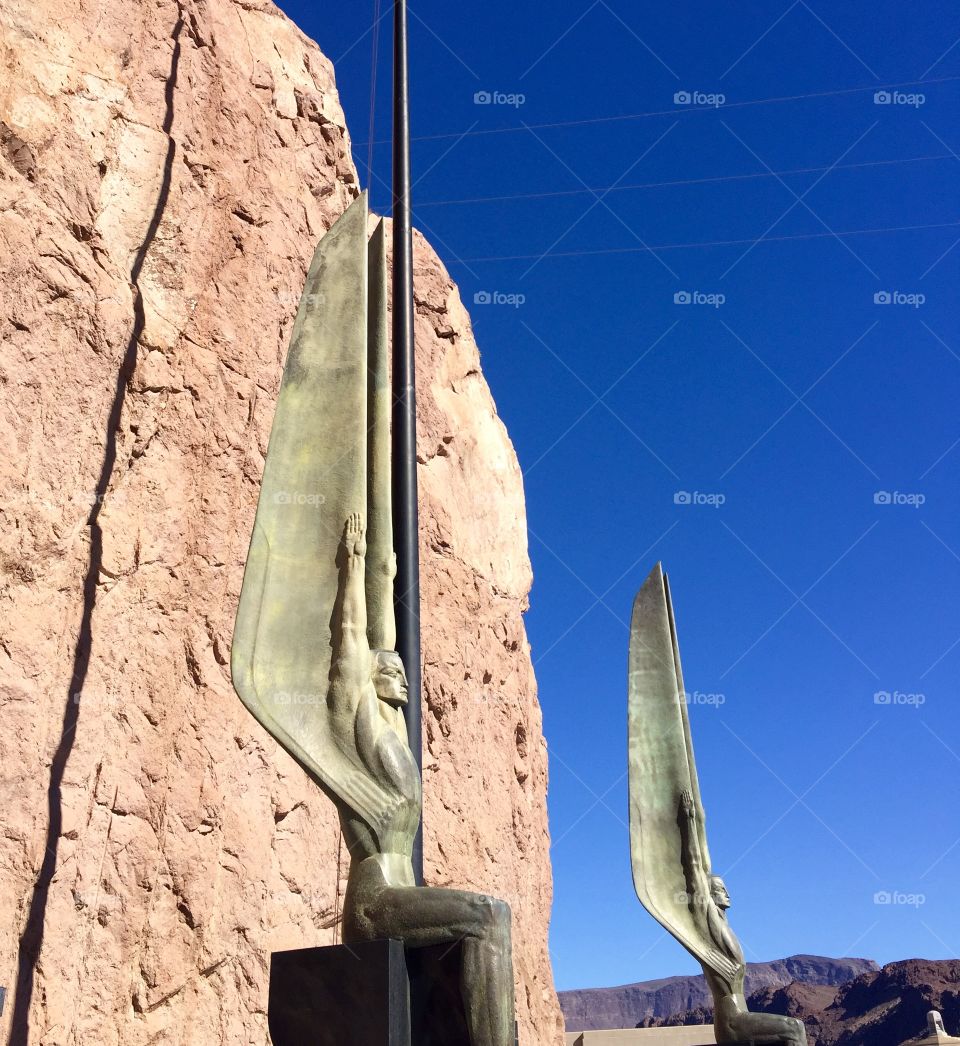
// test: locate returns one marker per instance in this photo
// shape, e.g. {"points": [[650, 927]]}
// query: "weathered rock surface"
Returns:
{"points": [[687, 1000], [165, 172]]}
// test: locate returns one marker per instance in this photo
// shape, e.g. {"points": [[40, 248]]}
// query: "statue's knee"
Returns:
{"points": [[796, 1030], [494, 914]]}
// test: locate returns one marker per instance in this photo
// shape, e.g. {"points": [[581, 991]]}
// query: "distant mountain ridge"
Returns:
{"points": [[626, 1006], [879, 1008]]}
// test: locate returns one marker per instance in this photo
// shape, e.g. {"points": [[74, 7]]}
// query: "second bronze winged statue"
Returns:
{"points": [[672, 871]]}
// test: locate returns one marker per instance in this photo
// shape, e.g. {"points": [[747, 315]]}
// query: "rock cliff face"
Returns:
{"points": [[166, 169], [687, 1000]]}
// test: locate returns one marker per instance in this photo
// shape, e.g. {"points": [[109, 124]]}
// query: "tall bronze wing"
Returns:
{"points": [[317, 472], [662, 767], [381, 566]]}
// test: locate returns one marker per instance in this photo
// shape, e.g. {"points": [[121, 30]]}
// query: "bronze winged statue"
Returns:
{"points": [[314, 655], [672, 872]]}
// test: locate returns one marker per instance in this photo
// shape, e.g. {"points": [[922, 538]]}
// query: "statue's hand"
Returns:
{"points": [[354, 535], [686, 805]]}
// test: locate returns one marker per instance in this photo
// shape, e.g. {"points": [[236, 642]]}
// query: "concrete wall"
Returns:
{"points": [[686, 1035]]}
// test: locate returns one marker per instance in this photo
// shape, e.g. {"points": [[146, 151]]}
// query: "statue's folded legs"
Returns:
{"points": [[734, 1023], [421, 916]]}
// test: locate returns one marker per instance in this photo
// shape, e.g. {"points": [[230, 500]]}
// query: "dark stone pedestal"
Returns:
{"points": [[436, 1006], [356, 996], [371, 994]]}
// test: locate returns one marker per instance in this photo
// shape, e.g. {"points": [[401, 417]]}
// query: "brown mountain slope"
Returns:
{"points": [[670, 999], [885, 1007]]}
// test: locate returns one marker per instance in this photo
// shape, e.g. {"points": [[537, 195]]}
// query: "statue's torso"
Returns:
{"points": [[723, 987], [391, 764], [725, 941]]}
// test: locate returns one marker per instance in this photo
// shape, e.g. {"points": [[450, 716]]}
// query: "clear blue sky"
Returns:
{"points": [[797, 399]]}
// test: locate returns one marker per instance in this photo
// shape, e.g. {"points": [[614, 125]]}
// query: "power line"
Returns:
{"points": [[375, 44], [683, 181], [709, 243], [679, 110]]}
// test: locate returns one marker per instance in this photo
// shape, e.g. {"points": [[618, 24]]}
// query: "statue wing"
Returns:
{"points": [[313, 479], [381, 565], [661, 768]]}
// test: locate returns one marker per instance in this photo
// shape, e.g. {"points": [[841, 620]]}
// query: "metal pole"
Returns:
{"points": [[404, 428]]}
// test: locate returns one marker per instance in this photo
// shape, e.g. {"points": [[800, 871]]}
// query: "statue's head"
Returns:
{"points": [[718, 891], [389, 678]]}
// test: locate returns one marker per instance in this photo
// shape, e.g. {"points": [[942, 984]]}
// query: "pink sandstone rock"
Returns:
{"points": [[165, 172]]}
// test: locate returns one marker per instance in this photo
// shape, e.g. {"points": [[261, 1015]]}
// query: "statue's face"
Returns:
{"points": [[389, 678], [718, 891]]}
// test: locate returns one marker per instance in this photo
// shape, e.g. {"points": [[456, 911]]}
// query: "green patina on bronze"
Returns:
{"points": [[315, 476], [672, 871], [314, 655]]}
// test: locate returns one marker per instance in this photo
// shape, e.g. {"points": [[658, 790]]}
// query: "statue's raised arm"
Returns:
{"points": [[351, 649], [696, 873]]}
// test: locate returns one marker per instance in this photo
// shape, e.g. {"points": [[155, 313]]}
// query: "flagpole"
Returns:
{"points": [[404, 427]]}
